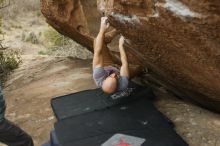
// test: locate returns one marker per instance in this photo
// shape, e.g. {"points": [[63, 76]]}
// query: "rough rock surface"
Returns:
{"points": [[178, 40]]}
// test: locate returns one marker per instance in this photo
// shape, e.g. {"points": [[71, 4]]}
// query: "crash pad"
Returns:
{"points": [[92, 118], [95, 99]]}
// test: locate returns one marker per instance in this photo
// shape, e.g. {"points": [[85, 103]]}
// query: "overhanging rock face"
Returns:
{"points": [[178, 40]]}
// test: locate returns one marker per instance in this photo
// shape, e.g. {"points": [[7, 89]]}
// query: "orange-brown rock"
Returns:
{"points": [[178, 40]]}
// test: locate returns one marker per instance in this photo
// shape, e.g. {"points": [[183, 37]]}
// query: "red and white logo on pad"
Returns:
{"points": [[124, 140], [122, 143]]}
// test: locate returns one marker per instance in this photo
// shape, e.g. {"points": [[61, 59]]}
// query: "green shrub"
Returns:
{"points": [[1, 1], [54, 37], [42, 52], [38, 13], [9, 60], [31, 38]]}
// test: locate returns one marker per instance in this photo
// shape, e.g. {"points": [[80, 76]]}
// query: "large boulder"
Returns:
{"points": [[178, 40]]}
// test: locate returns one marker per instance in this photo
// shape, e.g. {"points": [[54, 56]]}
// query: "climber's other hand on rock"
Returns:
{"points": [[104, 24]]}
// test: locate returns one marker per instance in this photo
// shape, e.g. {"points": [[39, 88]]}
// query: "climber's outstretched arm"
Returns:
{"points": [[98, 43], [124, 67]]}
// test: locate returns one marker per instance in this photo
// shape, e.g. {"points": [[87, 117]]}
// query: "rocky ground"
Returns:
{"points": [[199, 127], [29, 89]]}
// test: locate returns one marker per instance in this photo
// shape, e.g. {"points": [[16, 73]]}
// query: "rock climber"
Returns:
{"points": [[106, 74]]}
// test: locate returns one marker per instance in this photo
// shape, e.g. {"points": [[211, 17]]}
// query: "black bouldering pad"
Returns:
{"points": [[93, 118], [92, 100], [138, 118]]}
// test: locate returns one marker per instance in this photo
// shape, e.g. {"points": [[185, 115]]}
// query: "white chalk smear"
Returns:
{"points": [[179, 9], [126, 19]]}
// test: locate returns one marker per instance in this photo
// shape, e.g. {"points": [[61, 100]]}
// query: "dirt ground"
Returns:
{"points": [[29, 89]]}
